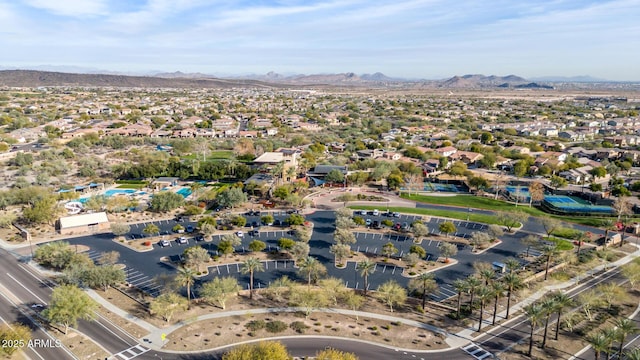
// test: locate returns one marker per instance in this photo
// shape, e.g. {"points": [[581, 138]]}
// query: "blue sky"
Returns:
{"points": [[405, 38]]}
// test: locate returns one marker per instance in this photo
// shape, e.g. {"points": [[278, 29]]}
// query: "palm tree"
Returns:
{"points": [[473, 283], [312, 267], [366, 267], [611, 334], [632, 354], [548, 307], [580, 238], [424, 283], [250, 266], [599, 343], [484, 293], [498, 289], [461, 286], [487, 275], [608, 225], [625, 328], [512, 264], [513, 282], [549, 251], [563, 301], [534, 313], [185, 277]]}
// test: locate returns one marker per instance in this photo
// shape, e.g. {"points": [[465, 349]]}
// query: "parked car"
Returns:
{"points": [[190, 228], [182, 240], [368, 222], [376, 224], [363, 212], [397, 227], [277, 223], [406, 226], [376, 212], [396, 214], [165, 243], [240, 234]]}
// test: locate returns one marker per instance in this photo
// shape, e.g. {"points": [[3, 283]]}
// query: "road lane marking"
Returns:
{"points": [[24, 287]]}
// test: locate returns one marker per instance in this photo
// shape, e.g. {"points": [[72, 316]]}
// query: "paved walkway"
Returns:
{"points": [[457, 340]]}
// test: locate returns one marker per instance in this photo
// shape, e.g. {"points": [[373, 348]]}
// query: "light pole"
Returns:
{"points": [[468, 213]]}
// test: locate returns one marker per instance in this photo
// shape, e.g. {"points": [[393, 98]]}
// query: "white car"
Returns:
{"points": [[376, 212], [182, 240], [240, 234], [165, 243]]}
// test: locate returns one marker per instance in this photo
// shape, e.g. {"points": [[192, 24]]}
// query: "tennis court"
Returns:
{"points": [[570, 204]]}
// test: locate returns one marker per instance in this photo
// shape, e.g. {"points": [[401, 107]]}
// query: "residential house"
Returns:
{"points": [[446, 151]]}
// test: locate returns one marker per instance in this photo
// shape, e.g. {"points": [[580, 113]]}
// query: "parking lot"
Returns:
{"points": [[144, 269]]}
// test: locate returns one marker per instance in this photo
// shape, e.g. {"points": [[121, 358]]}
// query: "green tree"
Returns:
{"points": [[366, 268], [340, 251], [41, 211], [335, 176], [513, 282], [68, 304], [225, 247], [108, 258], [231, 197], [104, 276], [264, 350], [257, 245], [625, 328], [119, 229], [57, 255], [549, 224], [447, 228], [250, 266], [423, 284], [479, 239], [599, 343], [483, 293], [478, 182], [448, 250], [419, 230], [239, 221], [286, 243], [151, 229], [294, 219], [220, 290], [267, 219], [333, 354], [395, 181], [311, 268], [186, 276], [418, 250], [460, 286], [548, 252], [165, 201], [534, 313], [389, 249], [299, 250], [392, 294], [557, 182], [309, 299], [333, 289], [511, 219], [536, 192], [195, 257], [167, 304]]}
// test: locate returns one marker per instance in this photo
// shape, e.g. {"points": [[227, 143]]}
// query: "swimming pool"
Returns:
{"points": [[185, 192], [113, 192]]}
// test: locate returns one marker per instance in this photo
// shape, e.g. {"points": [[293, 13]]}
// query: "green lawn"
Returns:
{"points": [[563, 245], [477, 202], [131, 186], [214, 155]]}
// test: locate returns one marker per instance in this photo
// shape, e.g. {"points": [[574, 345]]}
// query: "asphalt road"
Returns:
{"points": [[30, 287], [517, 330], [43, 346]]}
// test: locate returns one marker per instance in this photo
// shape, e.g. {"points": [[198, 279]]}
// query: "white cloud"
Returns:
{"points": [[72, 8]]}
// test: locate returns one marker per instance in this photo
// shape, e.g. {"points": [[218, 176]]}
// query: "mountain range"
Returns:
{"points": [[34, 78]]}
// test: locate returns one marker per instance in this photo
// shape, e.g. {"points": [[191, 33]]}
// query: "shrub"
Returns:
{"points": [[299, 327], [255, 325], [147, 243], [276, 326]]}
